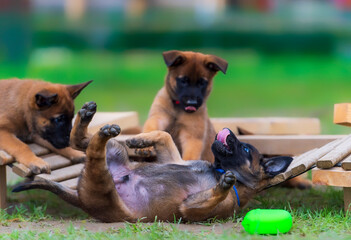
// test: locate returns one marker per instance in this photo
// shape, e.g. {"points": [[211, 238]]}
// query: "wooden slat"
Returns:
{"points": [[125, 120], [288, 173], [342, 114], [269, 125], [70, 183], [291, 145], [38, 150], [5, 158], [335, 176], [3, 189], [336, 155], [62, 173], [346, 163], [308, 161], [55, 161]]}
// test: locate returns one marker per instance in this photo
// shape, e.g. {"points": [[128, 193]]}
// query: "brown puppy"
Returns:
{"points": [[180, 109], [33, 110], [112, 188]]}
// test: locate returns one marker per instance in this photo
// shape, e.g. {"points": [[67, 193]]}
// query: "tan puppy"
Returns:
{"points": [[180, 106], [33, 110]]}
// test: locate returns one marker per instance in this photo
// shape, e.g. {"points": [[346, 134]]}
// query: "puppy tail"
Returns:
{"points": [[63, 192]]}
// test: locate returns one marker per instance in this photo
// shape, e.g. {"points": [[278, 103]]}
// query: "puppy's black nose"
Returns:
{"points": [[191, 102]]}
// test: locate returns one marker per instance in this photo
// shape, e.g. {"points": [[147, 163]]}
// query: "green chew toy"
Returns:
{"points": [[267, 221]]}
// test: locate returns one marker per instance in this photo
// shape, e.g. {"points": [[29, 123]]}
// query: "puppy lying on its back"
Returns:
{"points": [[112, 188], [32, 110]]}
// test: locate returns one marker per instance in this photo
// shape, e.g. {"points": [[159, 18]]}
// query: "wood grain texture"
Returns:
{"points": [[342, 114], [269, 125], [336, 155], [3, 189], [62, 174], [335, 176]]}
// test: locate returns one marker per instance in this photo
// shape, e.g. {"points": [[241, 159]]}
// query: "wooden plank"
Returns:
{"points": [[335, 176], [38, 150], [5, 158], [346, 163], [308, 161], [270, 125], [125, 120], [55, 161], [62, 174], [347, 199], [290, 145], [288, 173], [3, 189], [342, 114], [336, 155], [71, 183]]}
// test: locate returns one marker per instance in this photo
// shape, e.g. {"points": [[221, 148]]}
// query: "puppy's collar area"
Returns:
{"points": [[221, 171], [176, 102]]}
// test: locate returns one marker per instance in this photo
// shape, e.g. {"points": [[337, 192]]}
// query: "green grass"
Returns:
{"points": [[317, 214], [255, 85]]}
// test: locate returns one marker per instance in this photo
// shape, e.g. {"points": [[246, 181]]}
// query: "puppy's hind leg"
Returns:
{"points": [[79, 138], [166, 150], [96, 189]]}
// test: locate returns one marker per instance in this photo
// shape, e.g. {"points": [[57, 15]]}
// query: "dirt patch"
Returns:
{"points": [[101, 227]]}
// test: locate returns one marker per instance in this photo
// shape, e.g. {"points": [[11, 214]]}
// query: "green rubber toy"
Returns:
{"points": [[267, 221]]}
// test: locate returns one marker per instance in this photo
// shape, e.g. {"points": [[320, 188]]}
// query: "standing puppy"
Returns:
{"points": [[32, 110], [180, 106]]}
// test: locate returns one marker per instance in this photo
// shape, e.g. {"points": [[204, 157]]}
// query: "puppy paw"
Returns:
{"points": [[139, 143], [144, 152], [38, 165], [109, 131], [227, 180], [87, 112], [78, 157]]}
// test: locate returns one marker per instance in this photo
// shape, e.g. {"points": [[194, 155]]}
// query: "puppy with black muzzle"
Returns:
{"points": [[112, 188], [180, 106], [33, 110]]}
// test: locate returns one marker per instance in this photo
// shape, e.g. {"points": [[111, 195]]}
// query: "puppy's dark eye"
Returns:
{"points": [[202, 82]]}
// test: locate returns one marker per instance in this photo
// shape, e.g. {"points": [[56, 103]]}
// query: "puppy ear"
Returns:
{"points": [[173, 58], [74, 90], [216, 63], [276, 165], [45, 99]]}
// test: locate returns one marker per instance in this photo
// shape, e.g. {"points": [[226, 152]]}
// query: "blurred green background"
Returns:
{"points": [[286, 58]]}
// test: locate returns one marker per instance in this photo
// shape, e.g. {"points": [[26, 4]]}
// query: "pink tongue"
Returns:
{"points": [[190, 108], [222, 136]]}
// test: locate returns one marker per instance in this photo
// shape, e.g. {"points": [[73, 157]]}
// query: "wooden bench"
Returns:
{"points": [[67, 174]]}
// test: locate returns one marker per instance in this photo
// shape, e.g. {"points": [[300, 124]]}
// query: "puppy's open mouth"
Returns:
{"points": [[222, 137], [190, 109]]}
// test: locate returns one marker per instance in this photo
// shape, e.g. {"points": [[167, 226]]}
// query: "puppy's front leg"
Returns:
{"points": [[22, 153], [79, 138], [96, 188], [192, 146], [200, 205]]}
